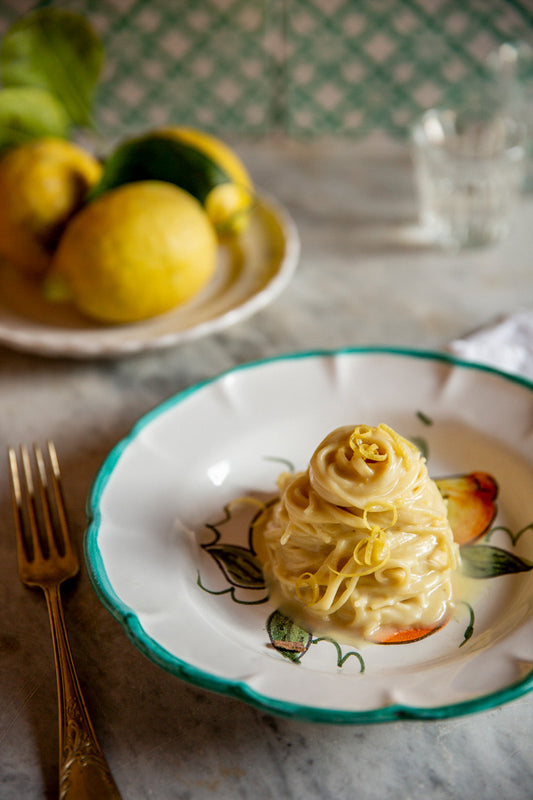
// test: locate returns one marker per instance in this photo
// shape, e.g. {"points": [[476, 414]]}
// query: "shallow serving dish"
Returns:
{"points": [[250, 274], [176, 567]]}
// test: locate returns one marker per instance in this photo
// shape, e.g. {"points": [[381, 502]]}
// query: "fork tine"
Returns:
{"points": [[59, 499], [42, 482], [31, 506], [22, 550]]}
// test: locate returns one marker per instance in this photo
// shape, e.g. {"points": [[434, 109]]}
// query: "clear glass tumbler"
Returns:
{"points": [[469, 168], [511, 67]]}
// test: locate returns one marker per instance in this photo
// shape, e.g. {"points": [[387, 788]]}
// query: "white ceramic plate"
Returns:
{"points": [[173, 569], [248, 277]]}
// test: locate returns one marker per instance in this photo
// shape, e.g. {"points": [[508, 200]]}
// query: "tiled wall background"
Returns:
{"points": [[309, 67]]}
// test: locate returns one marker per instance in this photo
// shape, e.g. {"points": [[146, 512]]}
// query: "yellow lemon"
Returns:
{"points": [[42, 184], [136, 251], [228, 204]]}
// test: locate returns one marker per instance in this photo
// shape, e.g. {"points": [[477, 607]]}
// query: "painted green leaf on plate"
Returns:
{"points": [[485, 561], [287, 637], [239, 565]]}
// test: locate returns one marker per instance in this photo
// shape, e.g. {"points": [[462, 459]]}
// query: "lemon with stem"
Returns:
{"points": [[193, 160], [227, 204]]}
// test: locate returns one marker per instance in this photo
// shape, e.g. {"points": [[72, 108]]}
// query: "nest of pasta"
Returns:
{"points": [[361, 540]]}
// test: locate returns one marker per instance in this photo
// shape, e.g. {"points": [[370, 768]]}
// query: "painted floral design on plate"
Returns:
{"points": [[472, 507]]}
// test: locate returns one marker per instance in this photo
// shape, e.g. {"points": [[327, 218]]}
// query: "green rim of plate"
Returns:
{"points": [[159, 655]]}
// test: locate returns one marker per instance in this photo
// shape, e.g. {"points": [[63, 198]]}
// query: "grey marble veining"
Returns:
{"points": [[364, 278]]}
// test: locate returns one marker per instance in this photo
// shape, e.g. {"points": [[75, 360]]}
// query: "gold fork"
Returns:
{"points": [[46, 558]]}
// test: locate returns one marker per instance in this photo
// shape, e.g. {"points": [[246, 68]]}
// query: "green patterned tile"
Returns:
{"points": [[200, 64], [309, 67], [356, 66]]}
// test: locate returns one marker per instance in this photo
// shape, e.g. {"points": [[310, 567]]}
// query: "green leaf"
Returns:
{"points": [[158, 157], [485, 561], [287, 637], [27, 113], [239, 565], [58, 51]]}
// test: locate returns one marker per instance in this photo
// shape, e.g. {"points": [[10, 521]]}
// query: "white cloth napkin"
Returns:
{"points": [[506, 344]]}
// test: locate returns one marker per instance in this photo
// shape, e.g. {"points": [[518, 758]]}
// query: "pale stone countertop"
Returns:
{"points": [[363, 279]]}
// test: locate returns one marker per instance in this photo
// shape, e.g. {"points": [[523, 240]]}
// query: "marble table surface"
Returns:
{"points": [[365, 277]]}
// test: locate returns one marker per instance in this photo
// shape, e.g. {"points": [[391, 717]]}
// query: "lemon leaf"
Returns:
{"points": [[58, 51], [160, 158], [27, 113]]}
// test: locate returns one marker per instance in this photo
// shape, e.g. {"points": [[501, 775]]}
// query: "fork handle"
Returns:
{"points": [[83, 770]]}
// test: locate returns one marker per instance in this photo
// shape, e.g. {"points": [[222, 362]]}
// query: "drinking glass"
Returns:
{"points": [[469, 168], [511, 67]]}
